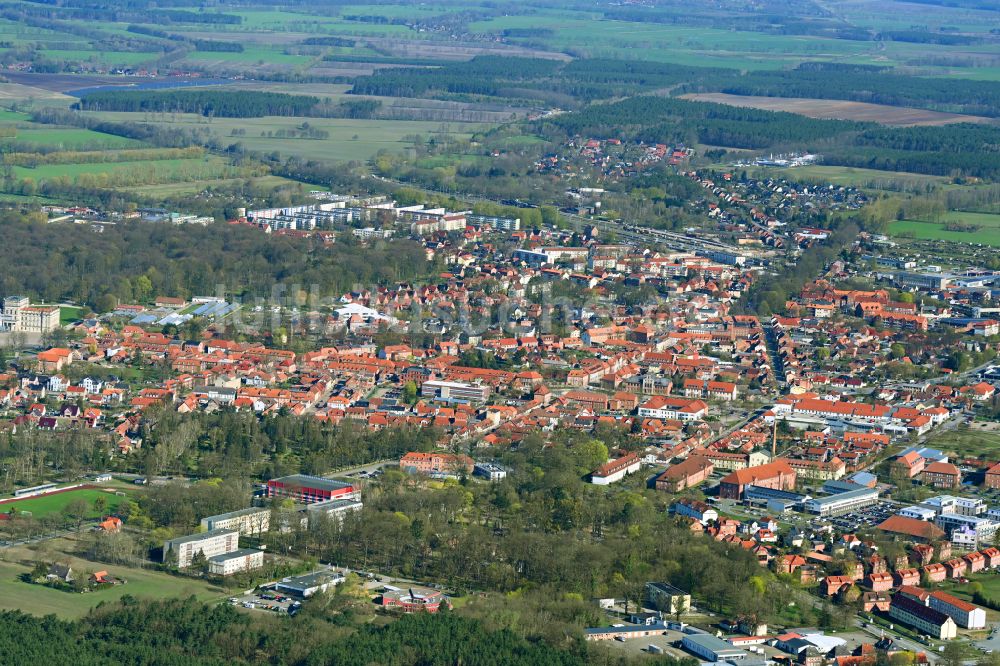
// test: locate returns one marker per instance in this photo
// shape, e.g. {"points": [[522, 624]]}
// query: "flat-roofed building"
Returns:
{"points": [[309, 489], [309, 584], [210, 544], [666, 598], [457, 392], [710, 648], [835, 505], [249, 522], [335, 509], [227, 564], [984, 528]]}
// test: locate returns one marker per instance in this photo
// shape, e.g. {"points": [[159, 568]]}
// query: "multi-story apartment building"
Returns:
{"points": [[965, 615], [924, 619], [210, 544], [335, 509], [248, 522], [227, 564], [436, 463]]}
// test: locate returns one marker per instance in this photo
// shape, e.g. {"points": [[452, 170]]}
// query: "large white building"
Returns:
{"points": [[244, 559], [18, 316], [459, 392], [963, 506], [211, 543], [673, 409], [335, 509], [833, 505], [924, 619], [984, 528], [710, 648], [616, 470], [248, 522], [965, 615]]}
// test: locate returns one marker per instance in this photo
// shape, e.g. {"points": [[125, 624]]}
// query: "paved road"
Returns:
{"points": [[369, 468], [876, 632], [39, 538], [993, 641]]}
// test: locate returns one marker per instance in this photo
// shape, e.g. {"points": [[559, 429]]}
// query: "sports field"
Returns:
{"points": [[57, 502]]}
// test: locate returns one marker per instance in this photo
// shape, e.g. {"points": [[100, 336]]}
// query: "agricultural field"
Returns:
{"points": [[15, 594], [16, 92], [194, 187], [70, 138], [124, 174], [56, 502], [251, 56], [348, 140], [849, 176], [677, 44], [983, 228], [840, 110]]}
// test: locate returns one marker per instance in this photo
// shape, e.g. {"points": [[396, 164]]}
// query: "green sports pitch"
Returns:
{"points": [[57, 502]]}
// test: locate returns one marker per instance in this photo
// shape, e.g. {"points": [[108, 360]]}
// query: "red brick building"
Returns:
{"points": [[309, 489], [776, 475], [436, 463], [685, 474], [993, 476], [942, 475]]}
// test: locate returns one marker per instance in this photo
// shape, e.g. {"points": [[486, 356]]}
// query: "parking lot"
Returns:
{"points": [[848, 522], [267, 600], [867, 517]]}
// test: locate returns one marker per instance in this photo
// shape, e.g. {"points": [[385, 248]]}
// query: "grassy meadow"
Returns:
{"points": [[986, 228]]}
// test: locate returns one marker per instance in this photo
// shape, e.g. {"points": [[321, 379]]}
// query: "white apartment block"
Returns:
{"points": [[244, 559], [248, 522], [965, 615], [211, 543]]}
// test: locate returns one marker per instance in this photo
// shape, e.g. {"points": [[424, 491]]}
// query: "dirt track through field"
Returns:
{"points": [[839, 110]]}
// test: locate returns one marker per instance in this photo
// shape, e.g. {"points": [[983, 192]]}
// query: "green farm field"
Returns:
{"points": [[341, 146], [987, 228], [250, 54], [153, 172], [72, 138], [680, 45]]}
